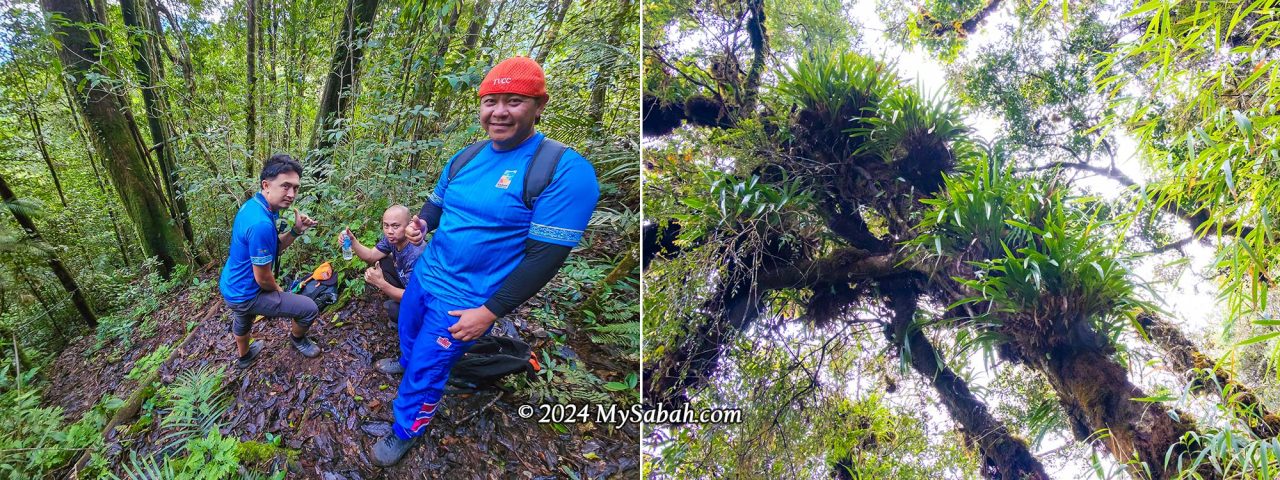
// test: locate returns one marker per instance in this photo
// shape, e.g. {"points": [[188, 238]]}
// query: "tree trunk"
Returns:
{"points": [[689, 364], [37, 130], [183, 61], [553, 30], [115, 132], [425, 89], [251, 112], [604, 73], [1100, 402], [497, 19], [55, 264], [1004, 456], [21, 361], [1097, 395], [336, 100], [478, 18], [760, 49], [150, 72], [735, 305], [97, 174], [271, 31], [408, 63]]}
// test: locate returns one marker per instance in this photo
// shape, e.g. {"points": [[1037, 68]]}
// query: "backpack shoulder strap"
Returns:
{"points": [[465, 157], [542, 168]]}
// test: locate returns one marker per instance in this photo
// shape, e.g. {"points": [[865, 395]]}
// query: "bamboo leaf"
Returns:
{"points": [[1258, 339]]}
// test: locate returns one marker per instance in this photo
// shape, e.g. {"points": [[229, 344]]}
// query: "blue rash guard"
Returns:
{"points": [[484, 224], [253, 242]]}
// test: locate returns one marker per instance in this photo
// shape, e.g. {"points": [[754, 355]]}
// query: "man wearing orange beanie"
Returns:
{"points": [[506, 211]]}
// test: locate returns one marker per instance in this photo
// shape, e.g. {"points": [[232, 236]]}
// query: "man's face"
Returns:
{"points": [[508, 118], [281, 191], [393, 223]]}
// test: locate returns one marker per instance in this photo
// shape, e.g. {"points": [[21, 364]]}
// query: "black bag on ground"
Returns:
{"points": [[489, 360], [321, 286]]}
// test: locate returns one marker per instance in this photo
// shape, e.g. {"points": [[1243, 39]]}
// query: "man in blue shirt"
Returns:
{"points": [[490, 252], [247, 284], [392, 258]]}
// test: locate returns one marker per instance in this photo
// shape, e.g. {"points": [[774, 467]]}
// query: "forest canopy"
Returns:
{"points": [[981, 271]]}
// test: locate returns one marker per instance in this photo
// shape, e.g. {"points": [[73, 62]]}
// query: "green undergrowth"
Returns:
{"points": [[36, 442], [139, 307], [181, 419], [613, 323], [191, 445]]}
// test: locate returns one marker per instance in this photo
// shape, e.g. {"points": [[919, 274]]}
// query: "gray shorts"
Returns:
{"points": [[272, 304]]}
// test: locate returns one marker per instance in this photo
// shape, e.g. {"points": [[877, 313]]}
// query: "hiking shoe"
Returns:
{"points": [[389, 366], [390, 449], [306, 347], [254, 349]]}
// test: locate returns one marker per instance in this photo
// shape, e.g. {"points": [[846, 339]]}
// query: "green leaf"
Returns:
{"points": [[1243, 121], [1155, 398], [1259, 339], [1144, 8]]}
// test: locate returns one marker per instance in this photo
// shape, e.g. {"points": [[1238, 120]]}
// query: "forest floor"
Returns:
{"points": [[331, 409]]}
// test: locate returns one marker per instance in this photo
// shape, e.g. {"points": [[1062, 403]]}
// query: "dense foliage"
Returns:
{"points": [[1001, 259]]}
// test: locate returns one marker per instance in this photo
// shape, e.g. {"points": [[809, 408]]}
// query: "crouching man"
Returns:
{"points": [[392, 260], [247, 284]]}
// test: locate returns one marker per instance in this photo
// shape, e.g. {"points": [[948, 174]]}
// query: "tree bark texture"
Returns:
{"points": [[1004, 456], [150, 73], [114, 131]]}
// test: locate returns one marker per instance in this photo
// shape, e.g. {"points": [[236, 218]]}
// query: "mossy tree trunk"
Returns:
{"points": [[112, 127], [604, 73], [251, 84], [1004, 456], [150, 71]]}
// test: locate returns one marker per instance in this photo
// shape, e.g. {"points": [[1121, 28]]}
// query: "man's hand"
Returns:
{"points": [[472, 323], [346, 231], [301, 222], [373, 276], [414, 230]]}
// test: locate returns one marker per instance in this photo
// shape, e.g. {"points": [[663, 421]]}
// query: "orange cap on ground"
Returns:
{"points": [[518, 75]]}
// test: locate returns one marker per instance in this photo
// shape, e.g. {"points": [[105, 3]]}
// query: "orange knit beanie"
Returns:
{"points": [[518, 75]]}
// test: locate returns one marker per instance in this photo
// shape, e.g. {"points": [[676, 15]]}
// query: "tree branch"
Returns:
{"points": [[1004, 456], [1206, 378]]}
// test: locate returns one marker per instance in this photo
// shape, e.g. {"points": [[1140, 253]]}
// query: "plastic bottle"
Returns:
{"points": [[346, 246]]}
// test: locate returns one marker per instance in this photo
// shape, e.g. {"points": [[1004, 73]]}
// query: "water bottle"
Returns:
{"points": [[346, 246]]}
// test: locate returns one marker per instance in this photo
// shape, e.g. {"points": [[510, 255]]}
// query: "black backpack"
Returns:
{"points": [[538, 174], [319, 286], [489, 360]]}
